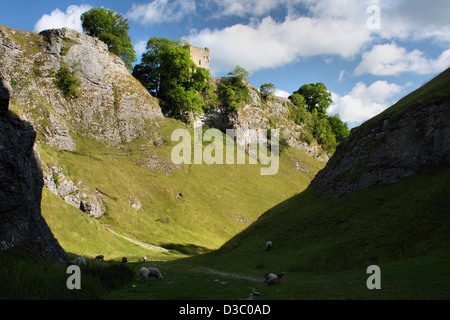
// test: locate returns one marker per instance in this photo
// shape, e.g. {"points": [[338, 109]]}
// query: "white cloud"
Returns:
{"points": [[58, 19], [140, 48], [341, 75], [240, 8], [282, 93], [390, 59], [269, 44], [416, 19], [363, 102], [159, 11]]}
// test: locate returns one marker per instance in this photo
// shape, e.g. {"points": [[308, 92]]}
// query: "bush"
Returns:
{"points": [[233, 91], [67, 81]]}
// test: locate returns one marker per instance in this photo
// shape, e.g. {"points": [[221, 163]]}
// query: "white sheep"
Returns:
{"points": [[273, 281], [79, 261], [269, 245], [144, 273], [155, 273], [272, 278]]}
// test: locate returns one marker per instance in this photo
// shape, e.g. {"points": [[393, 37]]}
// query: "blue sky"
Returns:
{"points": [[368, 53]]}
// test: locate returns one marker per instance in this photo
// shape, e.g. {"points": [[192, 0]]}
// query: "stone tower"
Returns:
{"points": [[201, 57]]}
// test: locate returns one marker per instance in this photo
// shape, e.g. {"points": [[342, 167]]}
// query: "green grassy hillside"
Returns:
{"points": [[218, 200], [325, 245]]}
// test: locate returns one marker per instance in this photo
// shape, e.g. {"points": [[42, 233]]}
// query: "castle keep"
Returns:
{"points": [[201, 57]]}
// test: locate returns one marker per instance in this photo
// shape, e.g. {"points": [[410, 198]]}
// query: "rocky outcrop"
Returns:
{"points": [[21, 222], [4, 95], [77, 194], [113, 107], [272, 113], [389, 150]]}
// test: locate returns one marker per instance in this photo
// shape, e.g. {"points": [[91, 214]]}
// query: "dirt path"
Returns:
{"points": [[229, 275], [141, 244]]}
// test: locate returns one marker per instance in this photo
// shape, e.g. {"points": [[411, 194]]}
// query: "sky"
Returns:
{"points": [[368, 53]]}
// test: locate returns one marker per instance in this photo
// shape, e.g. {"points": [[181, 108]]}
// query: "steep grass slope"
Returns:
{"points": [[218, 201], [108, 150], [403, 227]]}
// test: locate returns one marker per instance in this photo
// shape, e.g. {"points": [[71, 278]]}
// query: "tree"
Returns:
{"points": [[267, 90], [167, 71], [239, 73], [298, 100], [233, 90], [316, 96], [111, 28], [339, 127]]}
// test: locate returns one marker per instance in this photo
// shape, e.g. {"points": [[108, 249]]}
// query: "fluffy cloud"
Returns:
{"points": [[269, 44], [364, 102], [282, 93], [140, 47], [416, 19], [159, 11], [390, 59], [58, 19], [255, 8]]}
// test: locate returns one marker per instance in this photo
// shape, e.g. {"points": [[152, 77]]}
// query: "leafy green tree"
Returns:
{"points": [[233, 90], [239, 73], [298, 100], [111, 28], [267, 90], [308, 108], [167, 71], [339, 127], [316, 96]]}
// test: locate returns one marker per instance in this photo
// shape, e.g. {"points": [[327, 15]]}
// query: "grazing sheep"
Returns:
{"points": [[272, 278], [269, 245], [100, 257], [124, 260], [79, 261], [269, 276], [144, 273], [273, 281], [145, 258], [155, 273]]}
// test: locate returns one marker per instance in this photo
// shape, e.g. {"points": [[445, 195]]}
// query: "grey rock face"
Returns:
{"points": [[259, 115], [113, 106], [388, 151], [77, 195], [4, 95], [21, 222]]}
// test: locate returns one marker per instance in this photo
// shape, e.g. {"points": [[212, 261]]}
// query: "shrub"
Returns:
{"points": [[233, 91], [67, 81]]}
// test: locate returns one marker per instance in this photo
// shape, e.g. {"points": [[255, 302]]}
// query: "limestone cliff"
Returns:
{"points": [[271, 113], [112, 106], [404, 140], [21, 223]]}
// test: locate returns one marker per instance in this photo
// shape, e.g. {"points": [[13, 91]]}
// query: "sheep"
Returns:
{"points": [[100, 257], [272, 278], [273, 281], [124, 260], [79, 261], [269, 245], [144, 273], [155, 273], [145, 258]]}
